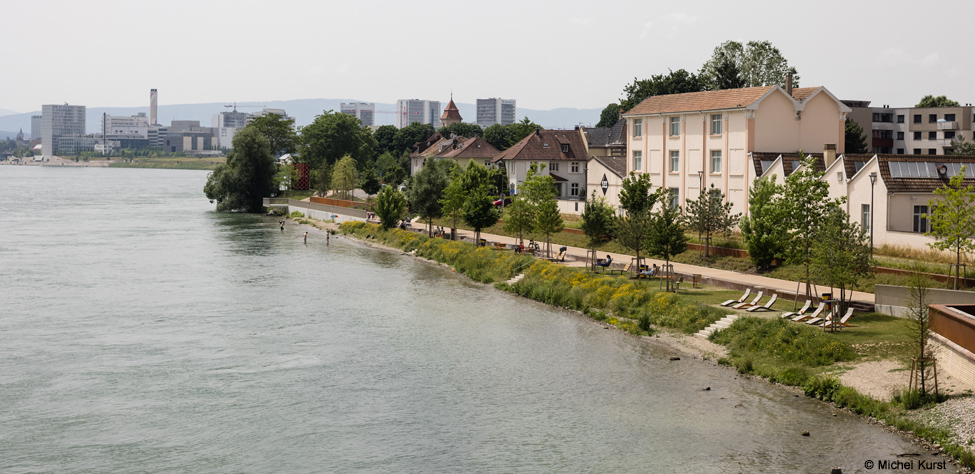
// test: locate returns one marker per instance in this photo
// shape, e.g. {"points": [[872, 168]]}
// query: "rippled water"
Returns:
{"points": [[142, 332]]}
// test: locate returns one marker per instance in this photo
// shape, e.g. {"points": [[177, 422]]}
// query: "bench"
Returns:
{"points": [[695, 279], [623, 270], [500, 246]]}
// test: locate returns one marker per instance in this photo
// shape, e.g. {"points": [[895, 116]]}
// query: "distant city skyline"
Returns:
{"points": [[545, 55]]}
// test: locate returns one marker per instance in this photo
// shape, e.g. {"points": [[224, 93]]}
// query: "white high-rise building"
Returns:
{"points": [[416, 110], [35, 126], [364, 111], [60, 121], [122, 125], [492, 111]]}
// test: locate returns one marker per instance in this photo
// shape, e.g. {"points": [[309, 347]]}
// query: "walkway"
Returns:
{"points": [[711, 276]]}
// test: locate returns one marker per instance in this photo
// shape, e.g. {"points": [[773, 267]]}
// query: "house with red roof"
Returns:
{"points": [[561, 154]]}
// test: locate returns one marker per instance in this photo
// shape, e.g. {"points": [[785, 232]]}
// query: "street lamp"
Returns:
{"points": [[700, 182], [873, 181]]}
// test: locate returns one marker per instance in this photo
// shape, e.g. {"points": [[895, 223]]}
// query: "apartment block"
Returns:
{"points": [[492, 111], [364, 111], [416, 110], [912, 130], [60, 121]]}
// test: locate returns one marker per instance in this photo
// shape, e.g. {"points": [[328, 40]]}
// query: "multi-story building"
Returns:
{"points": [[121, 125], [912, 130], [35, 126], [364, 111], [60, 121], [416, 110], [461, 150], [564, 156], [226, 124], [492, 111], [688, 142]]}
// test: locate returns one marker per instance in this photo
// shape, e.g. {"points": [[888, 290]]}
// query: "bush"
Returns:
{"points": [[913, 399], [823, 388], [296, 214], [795, 376], [783, 341]]}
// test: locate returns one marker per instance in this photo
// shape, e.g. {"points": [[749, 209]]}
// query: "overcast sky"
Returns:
{"points": [[545, 54]]}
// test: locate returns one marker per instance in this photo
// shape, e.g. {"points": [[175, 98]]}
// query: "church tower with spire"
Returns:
{"points": [[450, 114]]}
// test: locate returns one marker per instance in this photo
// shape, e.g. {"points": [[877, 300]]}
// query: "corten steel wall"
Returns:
{"points": [[336, 202], [303, 181], [955, 323]]}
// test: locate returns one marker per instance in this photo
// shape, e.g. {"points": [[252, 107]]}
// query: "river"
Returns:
{"points": [[141, 331]]}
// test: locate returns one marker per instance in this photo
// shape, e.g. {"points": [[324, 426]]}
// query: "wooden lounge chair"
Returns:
{"points": [[765, 307], [561, 256], [755, 301], [748, 291], [821, 320], [802, 310], [814, 315], [606, 262], [623, 270], [842, 321]]}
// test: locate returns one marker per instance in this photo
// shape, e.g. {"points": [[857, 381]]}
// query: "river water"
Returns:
{"points": [[140, 331]]}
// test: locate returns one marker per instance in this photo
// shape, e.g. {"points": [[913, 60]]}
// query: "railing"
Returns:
{"points": [[948, 125], [955, 323]]}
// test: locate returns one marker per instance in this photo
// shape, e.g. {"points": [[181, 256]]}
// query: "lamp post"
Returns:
{"points": [[873, 181], [700, 188]]}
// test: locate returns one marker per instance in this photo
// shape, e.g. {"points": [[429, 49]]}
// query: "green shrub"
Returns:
{"points": [[783, 341], [795, 376], [296, 214], [823, 388]]}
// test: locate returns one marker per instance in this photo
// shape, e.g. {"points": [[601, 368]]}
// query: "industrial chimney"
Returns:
{"points": [[153, 102]]}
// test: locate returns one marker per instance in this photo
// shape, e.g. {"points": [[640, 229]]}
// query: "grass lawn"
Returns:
{"points": [[182, 162]]}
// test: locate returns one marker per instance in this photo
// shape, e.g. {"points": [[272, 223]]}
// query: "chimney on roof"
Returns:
{"points": [[829, 154], [788, 84]]}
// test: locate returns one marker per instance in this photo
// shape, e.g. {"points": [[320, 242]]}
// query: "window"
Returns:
{"points": [[949, 117], [674, 197], [674, 161], [882, 117], [637, 127], [917, 135], [932, 135], [716, 124], [553, 166], [900, 119], [900, 135], [674, 126], [920, 219], [932, 118], [865, 210], [900, 151], [917, 118], [949, 135], [575, 166], [637, 161], [565, 148], [715, 161], [575, 189], [916, 151], [932, 151], [883, 134]]}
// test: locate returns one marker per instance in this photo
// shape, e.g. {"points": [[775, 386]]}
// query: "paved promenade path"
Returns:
{"points": [[712, 276]]}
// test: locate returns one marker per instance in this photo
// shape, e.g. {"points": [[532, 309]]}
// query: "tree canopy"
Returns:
{"points": [[390, 207], [709, 215], [609, 116], [409, 135], [279, 131], [758, 63], [460, 129], [854, 141], [762, 229], [242, 183], [344, 176], [939, 101], [675, 82], [952, 220], [332, 136], [426, 190]]}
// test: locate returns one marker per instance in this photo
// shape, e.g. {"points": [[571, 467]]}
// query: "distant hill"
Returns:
{"points": [[7, 112], [304, 112], [5, 135]]}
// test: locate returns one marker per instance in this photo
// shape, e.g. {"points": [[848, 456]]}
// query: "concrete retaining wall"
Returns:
{"points": [[893, 300], [956, 366], [326, 211]]}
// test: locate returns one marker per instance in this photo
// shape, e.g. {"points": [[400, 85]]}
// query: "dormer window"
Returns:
{"points": [[565, 148]]}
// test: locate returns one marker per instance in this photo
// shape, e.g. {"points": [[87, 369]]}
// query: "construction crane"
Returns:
{"points": [[234, 105]]}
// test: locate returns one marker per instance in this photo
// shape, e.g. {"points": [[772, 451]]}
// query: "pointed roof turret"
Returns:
{"points": [[451, 112]]}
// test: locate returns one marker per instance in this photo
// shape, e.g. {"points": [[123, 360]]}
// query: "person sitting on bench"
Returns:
{"points": [[652, 271], [605, 262]]}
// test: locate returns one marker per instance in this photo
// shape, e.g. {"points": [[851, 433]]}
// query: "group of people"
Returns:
{"points": [[439, 232]]}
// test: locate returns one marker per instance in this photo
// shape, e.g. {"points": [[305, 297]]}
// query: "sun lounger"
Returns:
{"points": [[753, 303], [748, 291], [843, 320], [765, 307], [826, 320], [814, 315], [802, 310], [623, 270]]}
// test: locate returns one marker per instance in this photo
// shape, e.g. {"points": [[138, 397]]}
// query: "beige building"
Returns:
{"points": [[687, 142], [461, 150]]}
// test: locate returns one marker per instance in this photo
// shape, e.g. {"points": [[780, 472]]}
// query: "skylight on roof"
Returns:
{"points": [[911, 169]]}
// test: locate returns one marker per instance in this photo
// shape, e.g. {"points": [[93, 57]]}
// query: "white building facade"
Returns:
{"points": [[492, 111], [416, 110]]}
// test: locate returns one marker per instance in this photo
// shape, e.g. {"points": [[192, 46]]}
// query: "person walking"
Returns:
{"points": [[282, 226], [306, 237], [327, 233]]}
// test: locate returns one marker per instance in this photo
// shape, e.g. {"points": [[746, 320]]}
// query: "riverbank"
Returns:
{"points": [[616, 303]]}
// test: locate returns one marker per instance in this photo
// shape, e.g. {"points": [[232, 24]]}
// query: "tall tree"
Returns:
{"points": [[242, 183], [939, 101], [952, 219], [709, 215], [370, 181], [280, 133], [461, 129], [633, 228], [609, 116], [917, 313], [540, 192], [409, 135], [522, 129], [762, 229], [479, 211], [426, 190], [499, 136], [597, 222], [332, 136], [345, 176], [805, 198], [390, 207], [321, 180], [392, 168], [840, 252], [549, 221], [519, 217], [666, 237], [759, 63], [855, 141], [385, 137], [675, 82], [453, 200]]}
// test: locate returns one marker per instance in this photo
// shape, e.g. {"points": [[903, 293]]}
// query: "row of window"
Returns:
{"points": [[675, 161], [932, 118], [716, 126], [920, 221], [554, 166]]}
